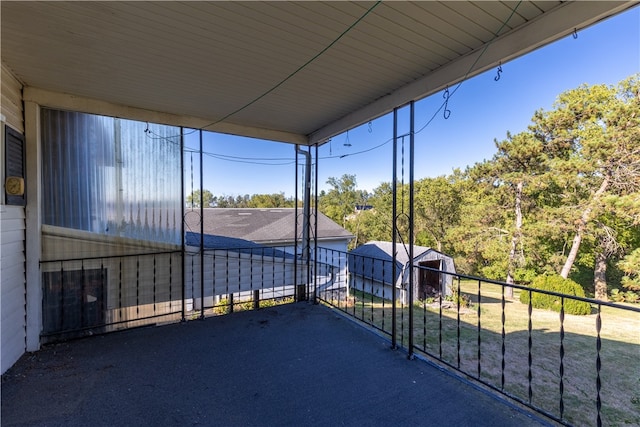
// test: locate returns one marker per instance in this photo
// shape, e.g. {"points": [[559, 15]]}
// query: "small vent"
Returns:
{"points": [[14, 161]]}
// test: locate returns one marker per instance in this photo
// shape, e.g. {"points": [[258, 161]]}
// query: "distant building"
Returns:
{"points": [[371, 270], [273, 227], [259, 245], [362, 208]]}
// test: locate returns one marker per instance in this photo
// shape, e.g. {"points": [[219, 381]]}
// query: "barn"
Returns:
{"points": [[371, 270]]}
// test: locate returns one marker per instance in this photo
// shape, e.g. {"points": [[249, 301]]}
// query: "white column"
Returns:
{"points": [[33, 224]]}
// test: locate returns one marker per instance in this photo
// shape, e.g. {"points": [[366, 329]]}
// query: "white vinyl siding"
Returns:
{"points": [[12, 298], [12, 238], [11, 100]]}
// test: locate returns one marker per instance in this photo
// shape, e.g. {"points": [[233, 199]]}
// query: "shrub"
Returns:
{"points": [[462, 299], [631, 297], [553, 302], [617, 296]]}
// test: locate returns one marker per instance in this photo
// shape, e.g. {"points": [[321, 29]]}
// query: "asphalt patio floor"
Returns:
{"points": [[291, 365]]}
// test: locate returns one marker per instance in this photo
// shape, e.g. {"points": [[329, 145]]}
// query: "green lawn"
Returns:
{"points": [[619, 354]]}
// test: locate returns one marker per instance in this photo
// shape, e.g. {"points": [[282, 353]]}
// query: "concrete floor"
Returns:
{"points": [[292, 365]]}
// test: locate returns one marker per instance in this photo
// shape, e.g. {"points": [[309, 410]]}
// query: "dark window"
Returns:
{"points": [[14, 161], [73, 299]]}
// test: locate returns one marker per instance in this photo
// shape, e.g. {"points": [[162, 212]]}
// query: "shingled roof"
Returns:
{"points": [[374, 259], [264, 226]]}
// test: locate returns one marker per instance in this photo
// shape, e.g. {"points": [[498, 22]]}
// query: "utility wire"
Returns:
{"points": [[445, 102], [286, 161], [464, 78]]}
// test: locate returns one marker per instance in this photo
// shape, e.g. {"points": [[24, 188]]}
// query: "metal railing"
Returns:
{"points": [[576, 370], [84, 296], [220, 281], [101, 294]]}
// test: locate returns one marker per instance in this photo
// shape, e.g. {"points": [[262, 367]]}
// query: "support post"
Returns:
{"points": [[182, 242], [295, 235], [306, 206], [394, 215], [201, 231], [33, 225], [411, 219], [315, 228]]}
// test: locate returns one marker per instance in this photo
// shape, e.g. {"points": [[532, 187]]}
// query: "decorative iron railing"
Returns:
{"points": [[574, 369], [578, 370], [83, 296]]}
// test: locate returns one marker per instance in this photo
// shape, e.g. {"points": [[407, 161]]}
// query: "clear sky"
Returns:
{"points": [[481, 110]]}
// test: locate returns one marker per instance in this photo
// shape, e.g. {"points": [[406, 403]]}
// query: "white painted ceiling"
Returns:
{"points": [[293, 71]]}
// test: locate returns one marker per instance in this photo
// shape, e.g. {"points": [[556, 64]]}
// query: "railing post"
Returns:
{"points": [[137, 286], [256, 292], [503, 336], [598, 366], [120, 290], [154, 284], [529, 347], [479, 330], [561, 404], [82, 293]]}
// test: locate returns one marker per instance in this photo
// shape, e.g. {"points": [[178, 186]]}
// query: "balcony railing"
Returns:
{"points": [[574, 369], [83, 296]]}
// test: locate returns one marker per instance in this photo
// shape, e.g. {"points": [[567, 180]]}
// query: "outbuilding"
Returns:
{"points": [[371, 270]]}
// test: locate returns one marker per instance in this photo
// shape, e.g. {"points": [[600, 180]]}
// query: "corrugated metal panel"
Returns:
{"points": [[11, 91], [12, 287]]}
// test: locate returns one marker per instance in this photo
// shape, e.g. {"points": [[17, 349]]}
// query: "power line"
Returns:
{"points": [[286, 161]]}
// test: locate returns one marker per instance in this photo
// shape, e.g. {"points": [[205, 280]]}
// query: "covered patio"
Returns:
{"points": [[98, 99]]}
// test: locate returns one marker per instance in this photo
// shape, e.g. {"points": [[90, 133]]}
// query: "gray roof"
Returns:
{"points": [[267, 226], [374, 260], [382, 250], [234, 245]]}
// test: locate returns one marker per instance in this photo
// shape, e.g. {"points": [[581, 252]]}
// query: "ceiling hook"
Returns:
{"points": [[498, 75], [445, 95]]}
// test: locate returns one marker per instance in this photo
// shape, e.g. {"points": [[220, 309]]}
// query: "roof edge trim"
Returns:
{"points": [[66, 101]]}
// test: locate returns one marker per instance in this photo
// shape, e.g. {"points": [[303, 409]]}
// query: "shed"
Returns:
{"points": [[371, 270]]}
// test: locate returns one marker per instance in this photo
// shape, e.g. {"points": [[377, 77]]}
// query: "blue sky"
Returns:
{"points": [[482, 110]]}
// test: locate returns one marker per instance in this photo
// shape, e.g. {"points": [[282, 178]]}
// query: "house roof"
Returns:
{"points": [[234, 245], [295, 71], [383, 250], [266, 226]]}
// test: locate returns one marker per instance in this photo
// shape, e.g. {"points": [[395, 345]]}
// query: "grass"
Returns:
{"points": [[437, 335], [225, 307]]}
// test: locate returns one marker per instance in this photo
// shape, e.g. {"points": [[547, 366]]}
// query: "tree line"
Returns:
{"points": [[561, 197], [208, 200]]}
